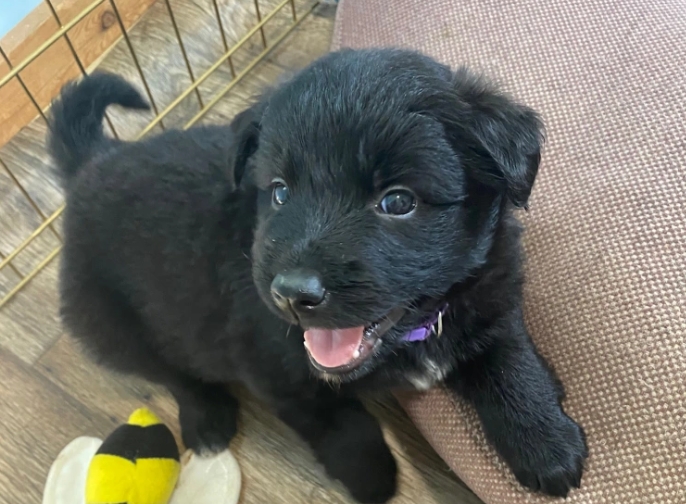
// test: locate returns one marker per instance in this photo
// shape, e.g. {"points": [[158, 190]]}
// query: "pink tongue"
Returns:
{"points": [[333, 347]]}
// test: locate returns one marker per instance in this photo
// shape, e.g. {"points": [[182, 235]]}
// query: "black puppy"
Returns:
{"points": [[363, 208]]}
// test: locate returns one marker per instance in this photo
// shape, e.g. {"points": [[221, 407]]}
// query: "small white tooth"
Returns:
{"points": [[356, 355], [306, 345]]}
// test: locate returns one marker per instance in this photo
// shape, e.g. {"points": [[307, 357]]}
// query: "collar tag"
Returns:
{"points": [[433, 326]]}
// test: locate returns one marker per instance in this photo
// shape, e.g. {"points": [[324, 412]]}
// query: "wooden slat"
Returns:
{"points": [[309, 41], [91, 38], [37, 419], [29, 323]]}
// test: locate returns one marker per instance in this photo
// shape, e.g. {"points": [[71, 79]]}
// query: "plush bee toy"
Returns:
{"points": [[139, 463]]}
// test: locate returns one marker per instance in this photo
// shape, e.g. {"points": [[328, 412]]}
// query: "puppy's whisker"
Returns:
{"points": [[246, 287]]}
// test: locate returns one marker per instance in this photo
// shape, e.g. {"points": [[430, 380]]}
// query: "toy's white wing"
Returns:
{"points": [[66, 482], [208, 480]]}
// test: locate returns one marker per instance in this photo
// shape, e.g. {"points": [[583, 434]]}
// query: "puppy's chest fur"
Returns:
{"points": [[428, 373], [415, 368]]}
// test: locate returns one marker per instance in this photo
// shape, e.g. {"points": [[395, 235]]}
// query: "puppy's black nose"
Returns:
{"points": [[302, 289]]}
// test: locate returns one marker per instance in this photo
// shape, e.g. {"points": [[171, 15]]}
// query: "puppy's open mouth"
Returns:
{"points": [[342, 350]]}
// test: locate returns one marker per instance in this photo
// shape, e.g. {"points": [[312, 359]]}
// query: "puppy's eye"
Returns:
{"points": [[397, 202], [279, 193]]}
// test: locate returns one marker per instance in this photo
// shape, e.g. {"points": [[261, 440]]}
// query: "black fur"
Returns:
{"points": [[83, 113], [172, 243]]}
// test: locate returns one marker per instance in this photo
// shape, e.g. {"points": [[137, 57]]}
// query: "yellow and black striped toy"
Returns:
{"points": [[137, 464]]}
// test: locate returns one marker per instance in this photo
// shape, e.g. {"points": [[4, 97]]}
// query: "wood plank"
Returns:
{"points": [[115, 395], [29, 323], [17, 216], [37, 419], [91, 38], [18, 219], [308, 41], [27, 158]]}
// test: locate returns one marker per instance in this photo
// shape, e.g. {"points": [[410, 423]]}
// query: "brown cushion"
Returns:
{"points": [[606, 239]]}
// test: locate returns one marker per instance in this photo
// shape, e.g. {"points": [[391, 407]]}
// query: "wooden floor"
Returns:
{"points": [[49, 393]]}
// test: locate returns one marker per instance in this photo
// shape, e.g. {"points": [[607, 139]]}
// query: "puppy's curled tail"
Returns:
{"points": [[75, 126]]}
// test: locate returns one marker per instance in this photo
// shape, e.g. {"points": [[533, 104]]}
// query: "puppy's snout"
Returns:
{"points": [[298, 290]]}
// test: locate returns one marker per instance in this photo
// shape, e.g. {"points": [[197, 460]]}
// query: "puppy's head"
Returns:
{"points": [[381, 176]]}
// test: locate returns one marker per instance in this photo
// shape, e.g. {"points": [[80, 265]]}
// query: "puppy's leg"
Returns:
{"points": [[207, 414], [518, 400], [348, 441], [113, 333]]}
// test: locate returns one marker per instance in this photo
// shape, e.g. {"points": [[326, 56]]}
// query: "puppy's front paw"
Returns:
{"points": [[359, 458], [552, 460], [208, 427], [368, 472]]}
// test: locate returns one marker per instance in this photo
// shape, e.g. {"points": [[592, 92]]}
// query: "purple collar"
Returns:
{"points": [[432, 325]]}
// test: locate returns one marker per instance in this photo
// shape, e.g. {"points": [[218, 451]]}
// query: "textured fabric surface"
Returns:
{"points": [[606, 234]]}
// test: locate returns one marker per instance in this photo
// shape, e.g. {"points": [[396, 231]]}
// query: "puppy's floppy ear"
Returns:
{"points": [[246, 130], [505, 136]]}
